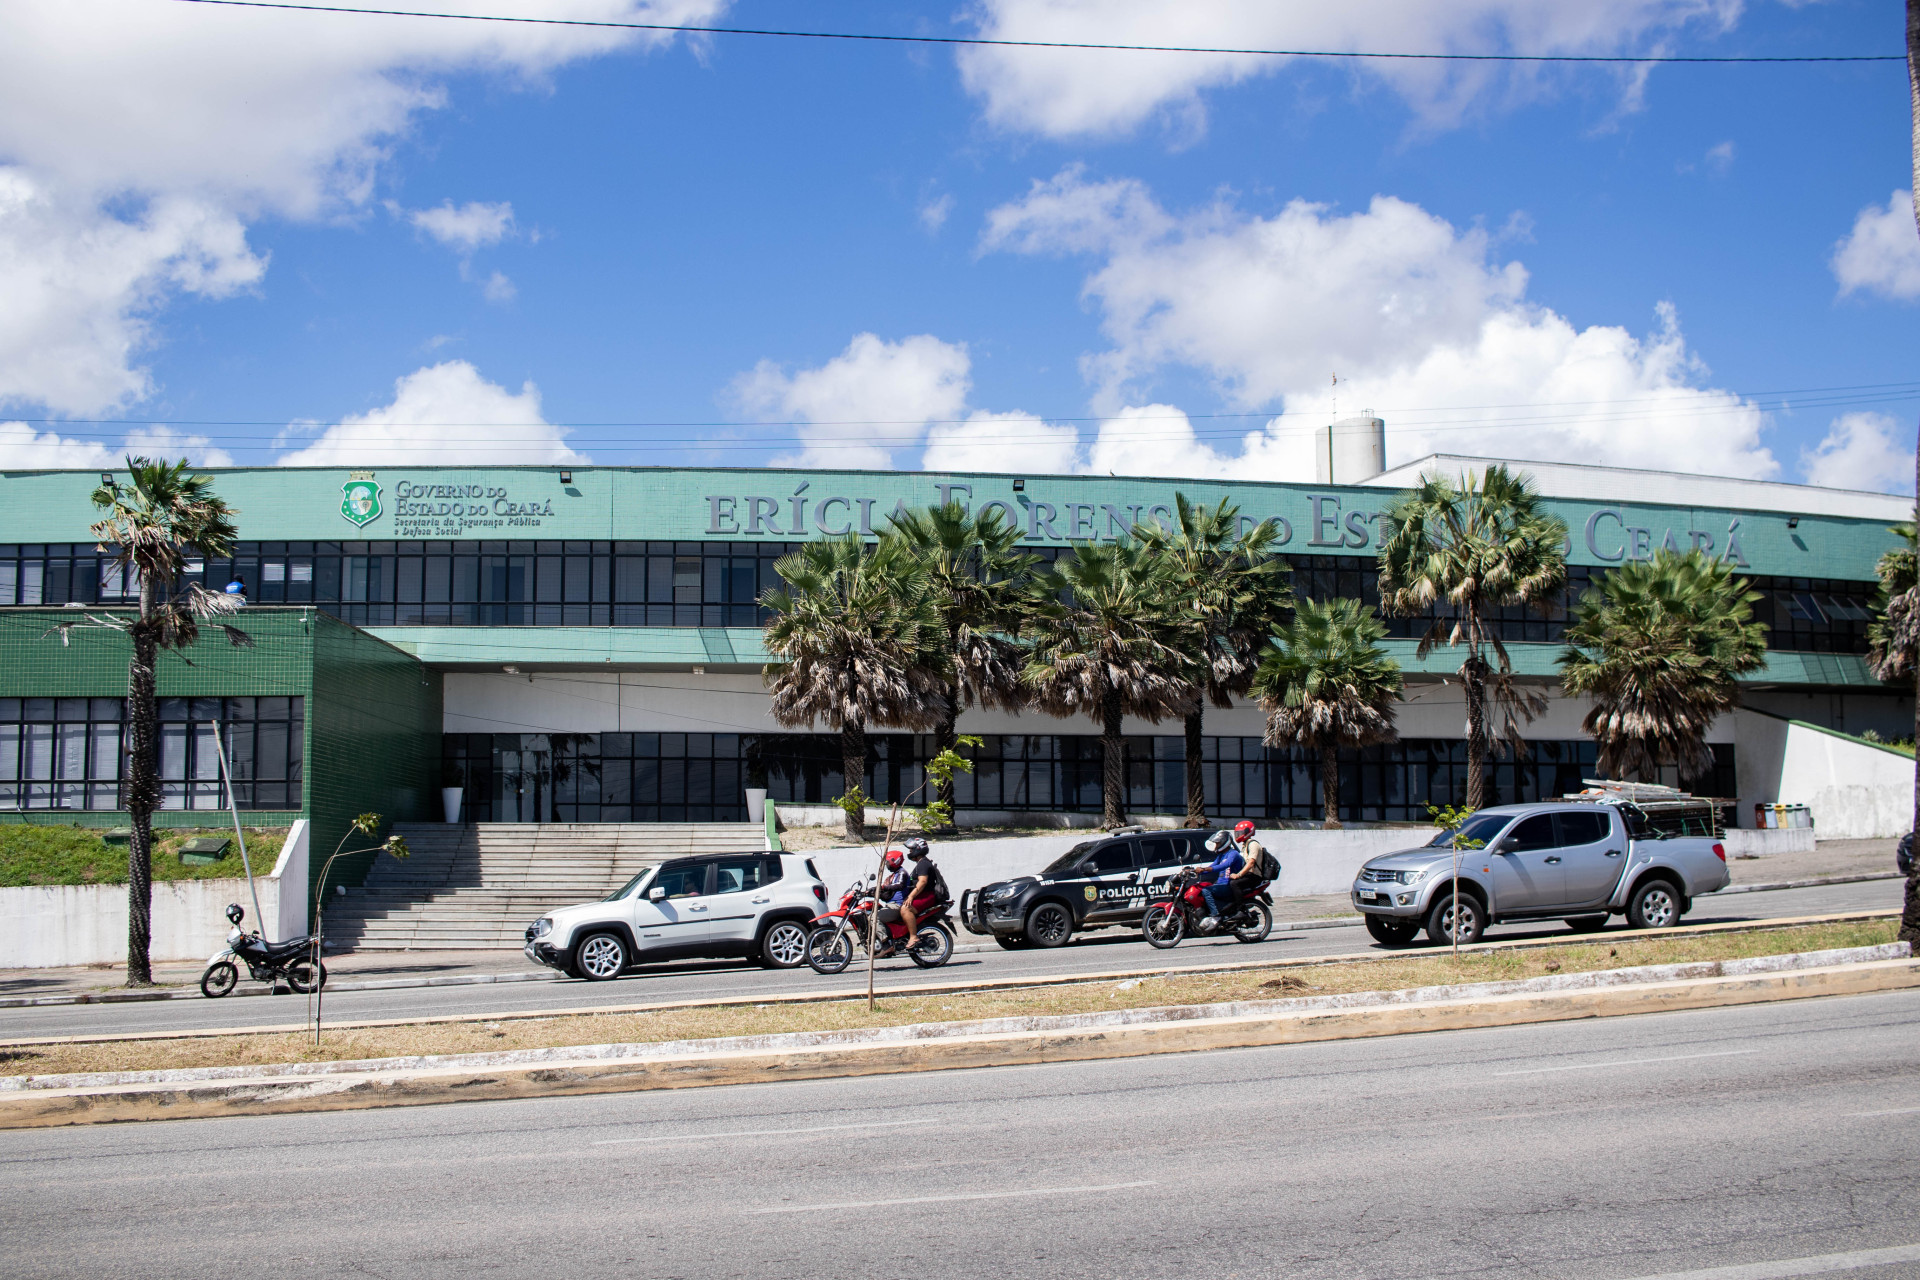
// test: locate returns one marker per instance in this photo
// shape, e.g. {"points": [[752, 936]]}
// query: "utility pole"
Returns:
{"points": [[1913, 92]]}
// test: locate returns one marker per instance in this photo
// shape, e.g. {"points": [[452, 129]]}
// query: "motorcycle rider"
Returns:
{"points": [[890, 897], [924, 883], [1246, 881], [1226, 861]]}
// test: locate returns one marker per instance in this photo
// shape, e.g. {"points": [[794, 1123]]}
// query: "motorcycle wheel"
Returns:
{"points": [[932, 947], [829, 950], [300, 976], [220, 978], [1259, 923], [1163, 926]]}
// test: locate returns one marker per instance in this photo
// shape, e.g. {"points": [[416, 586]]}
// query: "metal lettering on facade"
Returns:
{"points": [[461, 510]]}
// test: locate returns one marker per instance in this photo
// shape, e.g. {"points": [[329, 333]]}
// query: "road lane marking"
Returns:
{"points": [[1627, 1062], [1897, 1111], [761, 1133], [1819, 1264], [977, 1195]]}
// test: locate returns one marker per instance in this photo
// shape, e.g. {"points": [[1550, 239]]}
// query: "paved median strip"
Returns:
{"points": [[209, 1091]]}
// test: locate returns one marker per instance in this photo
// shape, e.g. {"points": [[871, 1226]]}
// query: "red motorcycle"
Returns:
{"points": [[840, 934], [1181, 914]]}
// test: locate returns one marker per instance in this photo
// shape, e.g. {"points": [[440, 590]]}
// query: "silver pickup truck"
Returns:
{"points": [[1576, 861]]}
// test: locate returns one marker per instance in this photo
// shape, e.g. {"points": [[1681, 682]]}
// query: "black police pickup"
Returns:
{"points": [[1104, 882]]}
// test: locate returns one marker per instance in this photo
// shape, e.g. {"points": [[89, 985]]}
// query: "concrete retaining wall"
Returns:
{"points": [[1764, 843], [73, 924], [1855, 789]]}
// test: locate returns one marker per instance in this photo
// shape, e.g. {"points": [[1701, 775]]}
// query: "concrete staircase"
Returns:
{"points": [[478, 887]]}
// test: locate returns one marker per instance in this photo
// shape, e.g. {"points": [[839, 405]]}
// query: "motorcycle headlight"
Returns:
{"points": [[542, 927]]}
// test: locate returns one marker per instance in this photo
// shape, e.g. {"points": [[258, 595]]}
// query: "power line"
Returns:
{"points": [[990, 42]]}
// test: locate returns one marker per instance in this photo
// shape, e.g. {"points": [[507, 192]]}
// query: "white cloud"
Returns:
{"points": [[442, 411], [80, 287], [24, 448], [467, 227], [1002, 442], [869, 400], [1868, 451], [498, 289], [1412, 314], [1074, 92], [1882, 253], [934, 213], [148, 136]]}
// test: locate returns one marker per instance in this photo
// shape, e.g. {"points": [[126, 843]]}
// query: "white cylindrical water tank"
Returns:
{"points": [[1351, 450]]}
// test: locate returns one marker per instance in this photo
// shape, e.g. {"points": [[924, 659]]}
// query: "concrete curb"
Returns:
{"points": [[1813, 883], [222, 1091]]}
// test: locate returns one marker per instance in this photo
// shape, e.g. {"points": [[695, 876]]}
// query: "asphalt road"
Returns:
{"points": [[1765, 1139], [1096, 952]]}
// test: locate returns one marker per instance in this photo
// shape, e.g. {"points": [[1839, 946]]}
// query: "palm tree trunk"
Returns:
{"points": [[1473, 678], [1196, 770], [947, 738], [1113, 750], [853, 773], [142, 796], [1330, 788]]}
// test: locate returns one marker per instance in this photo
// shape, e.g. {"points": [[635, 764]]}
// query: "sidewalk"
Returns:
{"points": [[1844, 859]]}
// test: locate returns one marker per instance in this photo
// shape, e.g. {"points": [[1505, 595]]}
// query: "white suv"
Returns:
{"points": [[752, 905]]}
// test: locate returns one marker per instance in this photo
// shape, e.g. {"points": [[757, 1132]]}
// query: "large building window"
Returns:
{"points": [[70, 753], [717, 584], [701, 777]]}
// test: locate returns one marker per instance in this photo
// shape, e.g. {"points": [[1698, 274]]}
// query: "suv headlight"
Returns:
{"points": [[542, 927], [1001, 893], [1413, 877]]}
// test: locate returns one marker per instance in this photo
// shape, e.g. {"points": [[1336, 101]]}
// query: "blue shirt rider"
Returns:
{"points": [[1226, 861]]}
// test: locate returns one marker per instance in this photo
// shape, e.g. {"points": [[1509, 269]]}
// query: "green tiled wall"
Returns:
{"points": [[373, 741], [93, 661]]}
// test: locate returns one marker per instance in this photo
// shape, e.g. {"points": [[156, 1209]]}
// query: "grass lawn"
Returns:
{"points": [[1391, 971], [36, 855]]}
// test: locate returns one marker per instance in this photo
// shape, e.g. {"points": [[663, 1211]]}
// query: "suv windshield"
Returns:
{"points": [[631, 885], [1071, 856], [1478, 832]]}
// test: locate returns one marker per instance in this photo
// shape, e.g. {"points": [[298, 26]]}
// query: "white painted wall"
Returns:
{"points": [[55, 925], [1855, 790]]}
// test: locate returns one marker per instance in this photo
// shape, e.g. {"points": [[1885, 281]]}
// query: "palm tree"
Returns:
{"points": [[1113, 650], [856, 641], [1459, 552], [149, 526], [1232, 593], [983, 585], [1326, 683], [1659, 647], [1893, 636]]}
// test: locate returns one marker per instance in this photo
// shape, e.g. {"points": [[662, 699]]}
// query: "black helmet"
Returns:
{"points": [[916, 848], [1218, 841], [235, 912]]}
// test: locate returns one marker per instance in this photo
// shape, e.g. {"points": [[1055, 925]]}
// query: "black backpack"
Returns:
{"points": [[1269, 868], [938, 885]]}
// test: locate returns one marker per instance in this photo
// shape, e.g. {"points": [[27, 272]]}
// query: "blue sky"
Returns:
{"points": [[217, 236]]}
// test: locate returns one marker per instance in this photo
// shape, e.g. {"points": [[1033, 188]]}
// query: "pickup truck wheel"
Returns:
{"points": [[1655, 905], [1389, 932], [1443, 926], [600, 957], [1587, 924], [1049, 925]]}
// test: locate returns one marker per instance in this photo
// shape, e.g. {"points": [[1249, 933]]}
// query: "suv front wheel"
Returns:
{"points": [[1050, 925], [600, 956]]}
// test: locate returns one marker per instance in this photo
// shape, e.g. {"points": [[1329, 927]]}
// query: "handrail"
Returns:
{"points": [[773, 835]]}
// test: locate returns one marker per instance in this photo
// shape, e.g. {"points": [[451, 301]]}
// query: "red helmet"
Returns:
{"points": [[1243, 830], [893, 859]]}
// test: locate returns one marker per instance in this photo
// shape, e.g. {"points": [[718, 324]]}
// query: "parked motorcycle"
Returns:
{"points": [[291, 961], [1183, 912], [840, 934]]}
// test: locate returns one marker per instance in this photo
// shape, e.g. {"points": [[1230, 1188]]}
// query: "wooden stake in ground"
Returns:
{"points": [[873, 916]]}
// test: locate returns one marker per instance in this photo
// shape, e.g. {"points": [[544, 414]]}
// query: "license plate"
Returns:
{"points": [[1367, 895]]}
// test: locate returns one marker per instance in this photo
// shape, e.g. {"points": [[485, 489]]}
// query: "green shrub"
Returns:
{"points": [[38, 855]]}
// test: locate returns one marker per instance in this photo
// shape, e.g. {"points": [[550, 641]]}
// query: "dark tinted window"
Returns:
{"points": [[1583, 828], [1071, 857], [736, 875], [681, 880], [1190, 849], [1531, 833], [1117, 856], [1158, 851]]}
